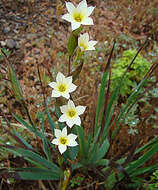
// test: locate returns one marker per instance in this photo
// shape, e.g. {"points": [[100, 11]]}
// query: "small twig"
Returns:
{"points": [[1, 184], [69, 65], [85, 96], [129, 66], [52, 188], [43, 89], [42, 185], [22, 126], [87, 186]]}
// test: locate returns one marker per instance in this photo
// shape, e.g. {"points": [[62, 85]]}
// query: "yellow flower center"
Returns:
{"points": [[71, 113], [63, 140], [78, 17], [83, 45], [62, 87]]}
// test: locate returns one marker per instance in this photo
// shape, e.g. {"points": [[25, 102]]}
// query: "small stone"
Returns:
{"points": [[10, 43], [16, 31], [18, 46], [6, 30], [3, 43]]}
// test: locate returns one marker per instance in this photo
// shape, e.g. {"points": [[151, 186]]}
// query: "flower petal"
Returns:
{"points": [[92, 43], [90, 48], [60, 77], [72, 137], [72, 87], [82, 5], [64, 131], [67, 17], [53, 84], [66, 95], [80, 109], [71, 104], [70, 122], [87, 21], [55, 141], [89, 10], [63, 108], [68, 80], [63, 118], [86, 36], [57, 133], [75, 25], [70, 7], [55, 93], [72, 143], [77, 121], [62, 148]]}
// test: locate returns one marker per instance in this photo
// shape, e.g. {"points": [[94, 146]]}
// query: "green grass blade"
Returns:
{"points": [[92, 155], [35, 157], [141, 171], [93, 144], [103, 149], [22, 139], [40, 175], [103, 162], [15, 84], [130, 100], [147, 145], [46, 147], [101, 100], [82, 142], [30, 128], [52, 125], [134, 165]]}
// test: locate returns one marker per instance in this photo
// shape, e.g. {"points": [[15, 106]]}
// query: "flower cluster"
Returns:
{"points": [[80, 16], [63, 86]]}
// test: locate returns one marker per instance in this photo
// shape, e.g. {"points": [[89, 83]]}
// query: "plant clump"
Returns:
{"points": [[135, 74]]}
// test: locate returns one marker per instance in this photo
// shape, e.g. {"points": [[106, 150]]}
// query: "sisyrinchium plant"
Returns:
{"points": [[69, 149]]}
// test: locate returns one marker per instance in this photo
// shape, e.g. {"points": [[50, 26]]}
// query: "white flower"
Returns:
{"points": [[63, 140], [71, 114], [63, 86], [78, 15], [85, 44]]}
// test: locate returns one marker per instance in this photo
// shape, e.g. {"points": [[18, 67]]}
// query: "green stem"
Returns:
{"points": [[60, 162], [67, 175], [78, 57]]}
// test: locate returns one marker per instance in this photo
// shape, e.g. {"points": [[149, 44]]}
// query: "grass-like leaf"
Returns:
{"points": [[35, 157], [38, 175], [99, 111]]}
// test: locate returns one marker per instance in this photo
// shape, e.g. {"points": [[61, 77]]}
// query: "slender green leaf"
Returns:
{"points": [[92, 155], [103, 149], [103, 162], [82, 141], [147, 145], [46, 147], [141, 171], [35, 157], [134, 165], [101, 99], [76, 166], [73, 41], [40, 175], [52, 125], [30, 128], [22, 139], [130, 100], [15, 84]]}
